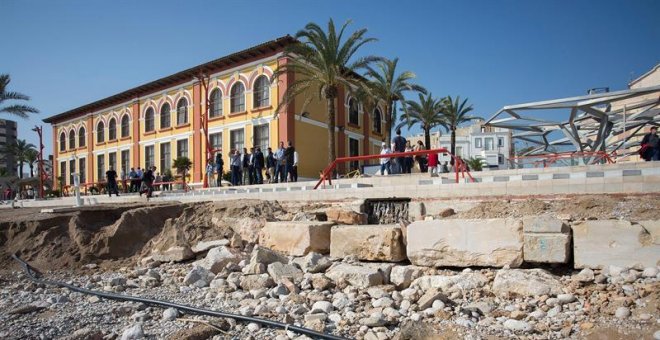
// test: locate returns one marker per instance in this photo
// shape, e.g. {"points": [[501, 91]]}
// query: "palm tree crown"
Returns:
{"points": [[384, 84], [21, 151], [323, 62], [14, 109], [455, 113], [427, 113]]}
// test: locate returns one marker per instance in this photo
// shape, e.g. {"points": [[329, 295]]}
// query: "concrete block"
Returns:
{"points": [[653, 228], [599, 244], [544, 224], [462, 243], [546, 248], [370, 243], [296, 238]]}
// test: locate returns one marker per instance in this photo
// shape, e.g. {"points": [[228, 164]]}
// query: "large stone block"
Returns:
{"points": [[526, 282], [544, 224], [463, 243], [358, 276], [370, 243], [546, 248], [599, 244], [343, 216], [653, 228], [296, 238]]}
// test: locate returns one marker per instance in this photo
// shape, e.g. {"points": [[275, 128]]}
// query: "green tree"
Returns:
{"points": [[475, 163], [182, 166], [323, 63], [427, 113], [31, 158], [384, 84], [4, 172], [19, 110], [20, 150], [455, 113]]}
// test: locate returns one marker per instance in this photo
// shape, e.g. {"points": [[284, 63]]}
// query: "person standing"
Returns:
{"points": [[385, 161], [251, 170], [421, 161], [258, 166], [139, 173], [148, 180], [433, 163], [279, 167], [288, 157], [209, 173], [132, 175], [400, 146], [236, 168], [408, 161], [270, 166], [219, 165], [158, 181], [295, 166], [111, 176], [650, 146]]}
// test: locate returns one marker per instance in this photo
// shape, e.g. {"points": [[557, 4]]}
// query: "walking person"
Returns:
{"points": [[650, 146], [385, 161], [258, 157], [219, 165], [279, 167], [408, 159], [288, 155], [148, 181], [209, 173], [235, 168], [132, 175], [251, 170], [139, 173], [400, 146], [111, 176], [433, 164], [270, 166], [295, 167]]}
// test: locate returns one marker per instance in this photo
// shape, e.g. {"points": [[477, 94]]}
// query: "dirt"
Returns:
{"points": [[118, 235], [633, 208]]}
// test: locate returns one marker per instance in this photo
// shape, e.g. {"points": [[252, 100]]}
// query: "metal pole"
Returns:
{"points": [[40, 160], [625, 137]]}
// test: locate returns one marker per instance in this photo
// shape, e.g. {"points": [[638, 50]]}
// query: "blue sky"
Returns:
{"points": [[68, 53]]}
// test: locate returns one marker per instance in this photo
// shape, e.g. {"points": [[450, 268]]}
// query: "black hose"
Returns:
{"points": [[34, 275]]}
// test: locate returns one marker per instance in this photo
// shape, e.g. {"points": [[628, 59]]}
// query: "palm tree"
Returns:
{"points": [[386, 85], [20, 152], [324, 63], [31, 157], [182, 165], [15, 109], [455, 113], [427, 113]]}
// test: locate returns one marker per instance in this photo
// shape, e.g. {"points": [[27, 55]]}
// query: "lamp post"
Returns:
{"points": [[40, 160]]}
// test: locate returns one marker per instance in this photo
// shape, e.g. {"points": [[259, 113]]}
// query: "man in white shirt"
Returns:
{"points": [[385, 161], [294, 175], [279, 168]]}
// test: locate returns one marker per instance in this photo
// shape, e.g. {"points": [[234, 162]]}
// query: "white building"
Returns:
{"points": [[493, 145]]}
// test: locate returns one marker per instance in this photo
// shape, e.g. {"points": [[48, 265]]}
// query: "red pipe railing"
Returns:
{"points": [[459, 164]]}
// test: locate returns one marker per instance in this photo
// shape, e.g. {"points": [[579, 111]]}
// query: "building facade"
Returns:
{"points": [[223, 105], [493, 145], [8, 135]]}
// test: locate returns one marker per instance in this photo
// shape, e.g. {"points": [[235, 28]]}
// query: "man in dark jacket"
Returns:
{"points": [[288, 155], [148, 179], [259, 166], [271, 163], [650, 145], [111, 175], [400, 146], [219, 165]]}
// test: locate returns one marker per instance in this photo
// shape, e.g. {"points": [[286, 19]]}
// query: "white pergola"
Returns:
{"points": [[596, 122]]}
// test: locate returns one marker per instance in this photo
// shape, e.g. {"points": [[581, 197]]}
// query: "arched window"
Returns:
{"points": [[237, 100], [353, 117], [261, 92], [125, 129], [377, 120], [149, 120], [182, 112], [215, 103], [72, 139], [62, 141], [112, 129], [81, 137], [100, 133], [165, 116]]}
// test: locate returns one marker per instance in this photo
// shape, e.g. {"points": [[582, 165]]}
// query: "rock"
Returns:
{"points": [[25, 309], [537, 314], [218, 258], [203, 246], [383, 302], [267, 256], [85, 334], [321, 307], [141, 317], [656, 335], [278, 271], [248, 228], [313, 262], [464, 243], [402, 276], [650, 272], [517, 315], [368, 242], [600, 243], [253, 327], [174, 254], [254, 268], [134, 332], [622, 312], [544, 224], [526, 282], [358, 276], [547, 248], [321, 282], [460, 282], [236, 241], [518, 326], [250, 282], [585, 275], [566, 298], [93, 299], [170, 314], [653, 229], [374, 320], [342, 216], [296, 238], [431, 295], [197, 274], [444, 213]]}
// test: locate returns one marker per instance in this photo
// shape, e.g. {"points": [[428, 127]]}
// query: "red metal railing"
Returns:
{"points": [[459, 164], [549, 159]]}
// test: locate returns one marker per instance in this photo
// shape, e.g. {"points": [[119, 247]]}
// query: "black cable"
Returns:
{"points": [[35, 275]]}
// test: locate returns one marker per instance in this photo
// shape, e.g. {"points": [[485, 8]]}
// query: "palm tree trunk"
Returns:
{"points": [[31, 170], [453, 143], [388, 123], [20, 169], [427, 138], [331, 129]]}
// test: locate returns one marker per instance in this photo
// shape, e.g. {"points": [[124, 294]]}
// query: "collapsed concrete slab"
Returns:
{"points": [[544, 224], [296, 238], [464, 243], [368, 242], [358, 276], [599, 244], [526, 282]]}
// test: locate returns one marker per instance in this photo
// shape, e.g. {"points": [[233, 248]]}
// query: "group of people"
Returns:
{"points": [[253, 167], [404, 165], [141, 181]]}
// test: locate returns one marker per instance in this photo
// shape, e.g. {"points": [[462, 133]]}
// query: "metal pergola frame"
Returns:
{"points": [[591, 122]]}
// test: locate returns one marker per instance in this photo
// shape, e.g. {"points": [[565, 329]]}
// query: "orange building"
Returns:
{"points": [[225, 104]]}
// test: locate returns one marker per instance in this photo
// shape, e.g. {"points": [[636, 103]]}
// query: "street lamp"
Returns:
{"points": [[40, 160]]}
